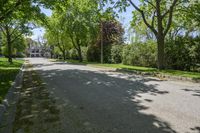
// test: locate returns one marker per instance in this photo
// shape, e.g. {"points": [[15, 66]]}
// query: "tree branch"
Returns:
{"points": [[15, 29], [165, 13], [17, 36], [170, 16], [150, 3], [143, 17], [1, 27], [73, 42], [153, 19]]}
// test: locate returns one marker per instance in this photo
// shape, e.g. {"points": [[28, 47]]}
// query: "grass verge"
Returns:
{"points": [[193, 75], [8, 73]]}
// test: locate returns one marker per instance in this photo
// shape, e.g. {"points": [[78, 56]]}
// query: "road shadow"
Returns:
{"points": [[50, 64], [108, 101], [36, 110], [196, 129], [194, 92]]}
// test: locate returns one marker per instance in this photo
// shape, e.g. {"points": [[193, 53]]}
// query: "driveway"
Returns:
{"points": [[98, 101]]}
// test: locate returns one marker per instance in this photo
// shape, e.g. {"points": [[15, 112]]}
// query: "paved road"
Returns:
{"points": [[94, 100]]}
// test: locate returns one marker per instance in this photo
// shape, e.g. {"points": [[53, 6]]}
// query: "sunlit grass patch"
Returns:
{"points": [[193, 75], [8, 73]]}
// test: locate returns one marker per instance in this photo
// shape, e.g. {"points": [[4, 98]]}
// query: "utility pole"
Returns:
{"points": [[101, 43], [101, 8], [0, 44]]}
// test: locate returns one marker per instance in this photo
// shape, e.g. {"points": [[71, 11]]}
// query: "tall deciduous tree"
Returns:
{"points": [[18, 24], [56, 34], [161, 20], [12, 32], [162, 10], [76, 20]]}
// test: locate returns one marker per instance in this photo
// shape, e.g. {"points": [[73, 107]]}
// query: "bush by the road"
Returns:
{"points": [[73, 54], [93, 53], [140, 54], [116, 53], [183, 54], [84, 53]]}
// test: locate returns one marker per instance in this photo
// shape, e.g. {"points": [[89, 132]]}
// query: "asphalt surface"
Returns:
{"points": [[94, 100]]}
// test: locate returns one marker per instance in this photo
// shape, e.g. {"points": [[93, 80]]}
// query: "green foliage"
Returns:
{"points": [[107, 53], [76, 28], [112, 35], [18, 46], [183, 53], [73, 54], [116, 53], [93, 53], [192, 13], [140, 54], [84, 53], [20, 8]]}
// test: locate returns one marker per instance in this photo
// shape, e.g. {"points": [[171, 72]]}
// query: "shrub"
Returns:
{"points": [[84, 53], [73, 54], [141, 54], [183, 53], [128, 55], [116, 53], [93, 53], [20, 55], [107, 54]]}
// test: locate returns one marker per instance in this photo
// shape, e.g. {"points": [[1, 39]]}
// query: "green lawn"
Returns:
{"points": [[193, 75], [8, 73]]}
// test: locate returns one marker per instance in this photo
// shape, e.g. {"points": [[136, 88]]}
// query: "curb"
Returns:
{"points": [[181, 78], [137, 72], [163, 76], [12, 95]]}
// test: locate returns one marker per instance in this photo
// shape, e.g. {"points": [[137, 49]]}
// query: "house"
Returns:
{"points": [[37, 50]]}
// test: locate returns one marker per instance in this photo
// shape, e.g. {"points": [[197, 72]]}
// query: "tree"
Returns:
{"points": [[112, 32], [194, 12], [18, 47], [19, 23], [161, 17], [13, 31], [161, 13], [9, 7], [77, 22], [142, 32], [56, 36]]}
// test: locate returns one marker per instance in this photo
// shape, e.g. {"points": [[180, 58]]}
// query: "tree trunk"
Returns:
{"points": [[9, 52], [160, 37], [80, 54], [161, 52], [64, 55], [51, 55], [9, 45]]}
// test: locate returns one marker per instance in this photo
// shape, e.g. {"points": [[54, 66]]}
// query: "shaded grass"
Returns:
{"points": [[193, 75], [36, 109], [8, 73]]}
